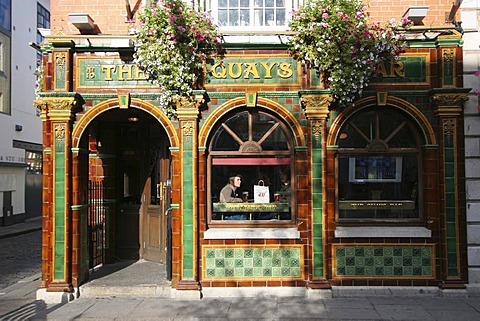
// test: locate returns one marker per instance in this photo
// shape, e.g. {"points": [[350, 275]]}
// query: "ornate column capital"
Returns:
{"points": [[188, 106], [448, 104], [316, 106], [59, 108]]}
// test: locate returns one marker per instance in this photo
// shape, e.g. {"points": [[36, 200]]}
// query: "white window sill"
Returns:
{"points": [[382, 231], [251, 233]]}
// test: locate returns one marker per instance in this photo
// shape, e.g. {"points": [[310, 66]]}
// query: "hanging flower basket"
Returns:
{"points": [[172, 43], [334, 38]]}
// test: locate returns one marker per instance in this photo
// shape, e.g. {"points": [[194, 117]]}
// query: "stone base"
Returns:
{"points": [[453, 293], [362, 291], [473, 290], [186, 294], [319, 293], [251, 292], [54, 297]]}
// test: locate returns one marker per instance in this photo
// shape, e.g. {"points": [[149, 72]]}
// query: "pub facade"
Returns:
{"points": [[367, 195]]}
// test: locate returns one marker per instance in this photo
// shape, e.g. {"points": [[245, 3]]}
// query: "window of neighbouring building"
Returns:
{"points": [[4, 74], [43, 21], [379, 167], [257, 146]]}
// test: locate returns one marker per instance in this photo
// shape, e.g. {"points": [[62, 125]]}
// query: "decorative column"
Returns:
{"points": [[187, 114], [316, 111], [449, 111], [57, 115]]}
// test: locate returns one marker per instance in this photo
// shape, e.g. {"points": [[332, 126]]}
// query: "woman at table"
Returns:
{"points": [[228, 194]]}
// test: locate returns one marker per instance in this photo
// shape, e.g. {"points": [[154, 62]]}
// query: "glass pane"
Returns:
{"points": [[233, 3], [276, 140], [280, 3], [274, 178], [244, 3], [258, 18], [258, 3], [244, 17], [393, 130], [222, 3], [270, 17], [379, 187], [223, 141], [233, 18], [280, 19], [269, 3], [222, 18]]}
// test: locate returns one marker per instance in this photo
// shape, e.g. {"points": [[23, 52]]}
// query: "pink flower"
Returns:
{"points": [[340, 14], [325, 15], [477, 74]]}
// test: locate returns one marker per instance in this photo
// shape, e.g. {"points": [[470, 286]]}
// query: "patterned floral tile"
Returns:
{"points": [[384, 261], [253, 262]]}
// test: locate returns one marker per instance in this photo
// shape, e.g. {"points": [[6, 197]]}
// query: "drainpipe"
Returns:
{"points": [[450, 16]]}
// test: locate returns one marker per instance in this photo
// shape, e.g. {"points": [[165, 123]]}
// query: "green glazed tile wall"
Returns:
{"points": [[59, 207], [384, 261], [450, 205], [60, 71], [252, 262], [187, 208]]}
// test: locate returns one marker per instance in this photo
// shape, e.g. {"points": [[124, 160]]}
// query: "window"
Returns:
{"points": [[258, 146], [251, 14], [379, 166], [34, 162], [5, 17], [43, 21], [4, 74]]}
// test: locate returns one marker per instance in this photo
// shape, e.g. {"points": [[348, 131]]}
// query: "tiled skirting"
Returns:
{"points": [[384, 261], [252, 262]]}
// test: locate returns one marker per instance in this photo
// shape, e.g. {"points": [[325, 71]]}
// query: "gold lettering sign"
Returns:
{"points": [[251, 207], [376, 205], [252, 70]]}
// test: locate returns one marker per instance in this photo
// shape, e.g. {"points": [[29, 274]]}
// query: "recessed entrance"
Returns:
{"points": [[129, 153]]}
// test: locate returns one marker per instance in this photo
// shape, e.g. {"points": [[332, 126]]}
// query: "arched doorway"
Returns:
{"points": [[129, 152]]}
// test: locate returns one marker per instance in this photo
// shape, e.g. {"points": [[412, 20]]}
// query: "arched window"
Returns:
{"points": [[258, 147], [379, 167]]}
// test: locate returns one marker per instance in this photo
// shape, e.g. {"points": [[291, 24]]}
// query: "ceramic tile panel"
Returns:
{"points": [[252, 262], [384, 261]]}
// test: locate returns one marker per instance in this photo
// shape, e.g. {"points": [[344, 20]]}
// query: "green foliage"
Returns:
{"points": [[334, 37], [172, 43]]}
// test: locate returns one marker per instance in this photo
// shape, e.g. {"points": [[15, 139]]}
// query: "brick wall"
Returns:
{"points": [[383, 10], [110, 15]]}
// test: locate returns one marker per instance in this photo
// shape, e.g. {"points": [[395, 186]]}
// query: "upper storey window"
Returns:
{"points": [[251, 14]]}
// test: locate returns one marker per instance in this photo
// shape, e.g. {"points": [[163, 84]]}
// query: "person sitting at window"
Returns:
{"points": [[285, 187], [228, 195]]}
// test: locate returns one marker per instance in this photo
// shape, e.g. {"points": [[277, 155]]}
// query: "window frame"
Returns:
{"points": [[349, 152], [248, 158], [213, 9]]}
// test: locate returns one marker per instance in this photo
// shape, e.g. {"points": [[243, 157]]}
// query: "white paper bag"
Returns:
{"points": [[261, 193]]}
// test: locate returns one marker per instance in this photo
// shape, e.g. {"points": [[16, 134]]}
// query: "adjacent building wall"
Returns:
{"points": [[470, 17], [22, 124]]}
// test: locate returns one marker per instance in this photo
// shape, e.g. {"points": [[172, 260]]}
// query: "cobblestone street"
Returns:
{"points": [[20, 257]]}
